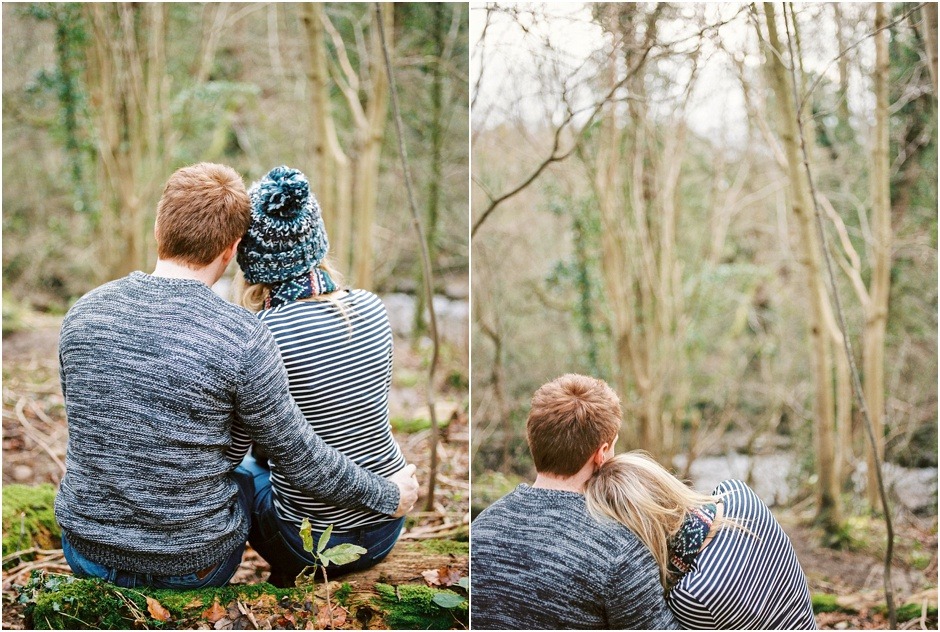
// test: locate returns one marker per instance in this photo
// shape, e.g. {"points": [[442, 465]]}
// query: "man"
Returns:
{"points": [[539, 560], [156, 370]]}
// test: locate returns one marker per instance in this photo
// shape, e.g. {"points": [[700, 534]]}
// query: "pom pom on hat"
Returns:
{"points": [[286, 237]]}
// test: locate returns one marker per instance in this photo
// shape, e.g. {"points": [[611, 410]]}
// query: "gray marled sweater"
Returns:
{"points": [[540, 562], [155, 371]]}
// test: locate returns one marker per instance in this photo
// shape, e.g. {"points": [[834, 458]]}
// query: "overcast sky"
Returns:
{"points": [[516, 59]]}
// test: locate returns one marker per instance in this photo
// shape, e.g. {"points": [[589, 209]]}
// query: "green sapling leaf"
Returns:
{"points": [[324, 539], [464, 583], [448, 599], [306, 534], [341, 554]]}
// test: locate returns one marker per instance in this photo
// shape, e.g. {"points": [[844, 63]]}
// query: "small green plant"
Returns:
{"points": [[340, 554], [452, 600]]}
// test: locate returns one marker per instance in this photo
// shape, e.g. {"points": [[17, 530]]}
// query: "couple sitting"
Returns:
{"points": [[616, 542], [167, 387]]}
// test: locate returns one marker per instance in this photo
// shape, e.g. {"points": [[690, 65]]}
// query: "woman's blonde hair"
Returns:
{"points": [[641, 494], [252, 296]]}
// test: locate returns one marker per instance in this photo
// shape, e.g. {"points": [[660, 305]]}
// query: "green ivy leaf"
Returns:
{"points": [[324, 539], [306, 534], [464, 583], [341, 554], [448, 599]]}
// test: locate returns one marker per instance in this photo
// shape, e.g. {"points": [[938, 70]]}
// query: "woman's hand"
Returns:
{"points": [[407, 489]]}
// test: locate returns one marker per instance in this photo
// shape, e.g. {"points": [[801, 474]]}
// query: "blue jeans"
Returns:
{"points": [[278, 541], [219, 575]]}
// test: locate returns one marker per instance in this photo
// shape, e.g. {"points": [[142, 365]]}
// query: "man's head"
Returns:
{"points": [[570, 419], [203, 211]]}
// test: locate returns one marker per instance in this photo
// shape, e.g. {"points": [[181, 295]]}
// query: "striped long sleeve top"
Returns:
{"points": [[744, 580], [339, 369]]}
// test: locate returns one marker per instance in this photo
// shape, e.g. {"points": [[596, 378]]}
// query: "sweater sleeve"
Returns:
{"points": [[265, 408], [635, 598]]}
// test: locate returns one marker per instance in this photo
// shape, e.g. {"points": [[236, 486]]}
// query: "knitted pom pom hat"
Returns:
{"points": [[286, 240]]}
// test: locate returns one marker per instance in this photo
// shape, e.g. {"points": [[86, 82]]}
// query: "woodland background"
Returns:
{"points": [[641, 212], [103, 101]]}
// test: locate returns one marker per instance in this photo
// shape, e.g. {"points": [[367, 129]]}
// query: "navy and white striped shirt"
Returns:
{"points": [[339, 371], [744, 580]]}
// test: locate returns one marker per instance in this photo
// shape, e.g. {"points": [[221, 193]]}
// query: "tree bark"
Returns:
{"points": [[829, 511], [930, 40], [877, 314], [436, 163], [636, 178], [369, 134], [126, 77]]}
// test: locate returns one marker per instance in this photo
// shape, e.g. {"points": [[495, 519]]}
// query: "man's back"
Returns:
{"points": [[150, 368], [539, 561]]}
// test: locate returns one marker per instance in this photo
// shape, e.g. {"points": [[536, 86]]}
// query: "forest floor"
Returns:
{"points": [[35, 435]]}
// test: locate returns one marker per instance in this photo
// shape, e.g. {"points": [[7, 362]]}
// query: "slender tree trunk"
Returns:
{"points": [[636, 178], [829, 505], [370, 135], [331, 165], [126, 76], [615, 267], [877, 316], [930, 40], [843, 129], [436, 172]]}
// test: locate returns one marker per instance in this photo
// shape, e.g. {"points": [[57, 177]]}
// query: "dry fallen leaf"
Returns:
{"points": [[443, 576], [156, 610], [214, 613], [323, 617]]}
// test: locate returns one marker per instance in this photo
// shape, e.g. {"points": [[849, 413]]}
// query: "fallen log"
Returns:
{"points": [[420, 585]]}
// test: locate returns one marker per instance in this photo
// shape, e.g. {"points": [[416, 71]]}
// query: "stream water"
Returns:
{"points": [[453, 315], [771, 476]]}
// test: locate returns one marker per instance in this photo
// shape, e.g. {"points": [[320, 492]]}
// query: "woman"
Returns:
{"points": [[724, 561], [337, 349]]}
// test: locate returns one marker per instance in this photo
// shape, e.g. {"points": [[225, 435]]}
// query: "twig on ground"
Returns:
{"points": [[30, 551], [36, 436], [42, 414], [16, 574], [438, 531]]}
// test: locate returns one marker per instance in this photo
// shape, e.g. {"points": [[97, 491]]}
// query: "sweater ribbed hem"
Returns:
{"points": [[160, 564]]}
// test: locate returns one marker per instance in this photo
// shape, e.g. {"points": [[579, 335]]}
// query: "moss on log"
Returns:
{"points": [[28, 522], [62, 602], [392, 594]]}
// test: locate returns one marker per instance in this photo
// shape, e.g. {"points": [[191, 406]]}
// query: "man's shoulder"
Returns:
{"points": [[546, 513], [104, 292], [191, 308]]}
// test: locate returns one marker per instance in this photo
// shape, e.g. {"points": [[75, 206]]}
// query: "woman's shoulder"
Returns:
{"points": [[732, 485]]}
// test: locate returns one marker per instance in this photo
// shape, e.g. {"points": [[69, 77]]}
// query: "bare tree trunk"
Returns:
{"points": [[498, 380], [877, 314], [437, 164], [331, 164], [616, 270], [369, 134], [930, 40], [829, 510], [843, 131], [347, 181], [636, 185], [126, 76]]}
